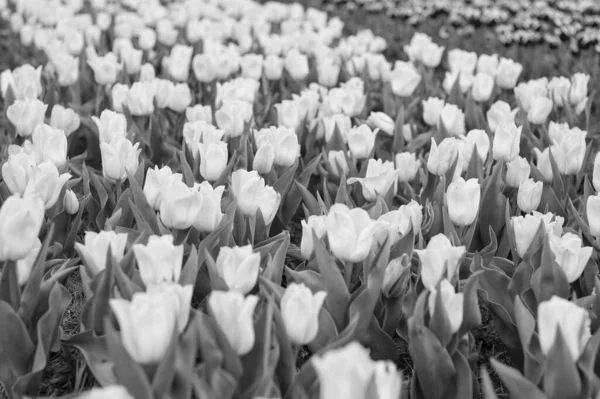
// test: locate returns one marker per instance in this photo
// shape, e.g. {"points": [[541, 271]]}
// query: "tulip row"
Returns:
{"points": [[213, 136]]}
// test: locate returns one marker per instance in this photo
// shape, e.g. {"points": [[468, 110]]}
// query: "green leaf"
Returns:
{"points": [[141, 204], [16, 348], [549, 279], [9, 285], [518, 386], [561, 377], [94, 350], [492, 200]]}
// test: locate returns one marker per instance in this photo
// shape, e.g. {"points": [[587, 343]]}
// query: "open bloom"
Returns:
{"points": [[379, 179], [439, 260], [49, 145], [300, 312], [234, 314], [159, 260], [179, 206], [526, 227], [251, 194], [119, 157], [94, 250], [463, 201], [156, 180], [239, 267], [64, 119], [383, 122], [232, 117], [570, 255]]}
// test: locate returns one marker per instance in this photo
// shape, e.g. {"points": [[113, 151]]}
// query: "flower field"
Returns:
{"points": [[324, 199]]}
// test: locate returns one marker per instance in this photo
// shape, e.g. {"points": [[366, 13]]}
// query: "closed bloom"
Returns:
{"points": [[570, 255], [199, 112], [252, 194], [25, 82], [70, 202], [159, 261], [500, 112], [118, 96], [49, 145], [572, 320], [559, 88], [404, 79], [232, 116], [529, 195], [488, 64], [178, 62], [361, 141], [539, 110], [407, 166], [483, 86], [508, 73], [432, 109], [517, 171], [453, 119], [284, 142], [507, 139], [46, 182], [330, 123], [20, 223], [439, 255], [16, 172], [396, 277], [525, 228], [119, 157], [442, 157], [210, 214], [379, 179], [94, 250], [147, 323], [25, 115], [296, 64], [300, 313], [543, 163], [382, 121], [461, 61], [339, 164], [179, 97], [593, 214], [234, 314], [213, 159], [328, 70], [205, 67], [314, 224], [569, 155], [479, 139], [106, 68], [350, 232], [64, 119], [400, 221], [465, 82], [596, 172], [110, 391], [156, 180], [579, 89], [452, 301], [463, 201], [527, 92], [179, 207], [263, 159], [239, 267], [273, 67], [288, 114], [66, 67], [140, 99]]}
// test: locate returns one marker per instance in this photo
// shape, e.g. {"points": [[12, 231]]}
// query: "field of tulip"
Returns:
{"points": [[254, 200]]}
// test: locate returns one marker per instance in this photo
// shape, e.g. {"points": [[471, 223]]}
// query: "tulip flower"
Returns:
{"points": [[288, 114], [300, 313], [453, 119], [66, 67], [110, 391], [110, 125], [314, 224], [517, 171], [579, 90], [539, 110], [500, 112], [25, 115], [25, 82], [46, 182], [463, 201], [182, 298], [273, 67], [213, 159], [329, 124], [179, 206], [407, 166], [159, 260], [452, 301], [119, 157], [559, 88], [234, 314], [543, 163], [383, 122], [483, 86], [140, 99], [350, 232], [16, 171], [179, 97], [307, 104], [529, 195], [508, 73], [402, 219], [20, 223], [251, 194], [118, 95], [284, 142], [106, 69], [439, 257], [479, 139], [488, 64], [94, 250], [379, 179], [593, 214], [526, 227], [465, 82], [263, 159], [199, 112], [404, 79], [210, 214], [328, 70], [396, 277], [442, 157], [338, 162], [527, 92], [178, 62], [239, 267], [507, 139], [596, 172], [147, 323], [25, 264], [49, 145], [232, 116], [239, 89], [572, 320], [432, 109], [570, 255], [205, 67], [463, 62], [296, 64], [70, 202], [132, 60], [569, 155], [156, 180], [64, 119]]}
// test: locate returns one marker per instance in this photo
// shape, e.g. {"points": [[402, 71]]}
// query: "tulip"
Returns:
{"points": [[25, 82], [110, 391], [404, 79], [396, 277], [119, 157], [300, 313], [118, 96], [213, 159], [25, 264], [328, 70], [527, 92], [350, 232], [46, 182], [526, 227], [314, 224], [593, 214], [232, 117], [25, 115], [66, 67], [431, 55], [239, 267], [559, 88], [70, 202], [307, 103], [147, 73], [64, 119], [439, 256], [488, 64], [483, 86], [415, 48], [179, 97], [159, 261], [570, 255], [432, 109], [383, 122], [240, 89], [579, 89], [94, 250], [16, 172], [442, 157], [507, 138], [284, 141], [106, 69], [572, 320], [179, 206], [178, 62], [596, 172], [132, 59], [339, 164], [508, 73], [182, 298], [234, 314], [465, 82], [529, 195], [49, 145], [20, 223], [463, 62], [210, 214], [329, 124], [500, 112], [205, 67], [361, 141], [402, 219], [453, 119], [288, 114], [479, 139], [273, 67], [452, 304], [539, 110], [543, 163], [407, 166], [156, 180], [379, 179], [252, 194], [199, 112], [557, 132], [463, 201], [296, 64], [569, 155], [264, 158], [252, 66], [140, 99], [517, 171], [147, 324]]}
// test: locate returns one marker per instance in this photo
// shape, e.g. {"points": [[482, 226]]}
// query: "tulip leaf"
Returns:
{"points": [[326, 334], [189, 272], [102, 197], [141, 204], [398, 140], [526, 327], [274, 269], [549, 279], [380, 344], [225, 175], [185, 358], [69, 242], [216, 281], [439, 321], [486, 385], [557, 183], [285, 181], [491, 201], [9, 285], [561, 378], [100, 301], [471, 312], [165, 372], [551, 202], [230, 360], [16, 348], [518, 386], [309, 200], [465, 383]]}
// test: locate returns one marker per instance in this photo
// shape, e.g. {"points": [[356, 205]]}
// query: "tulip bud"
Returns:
{"points": [[432, 109], [300, 313], [596, 172], [453, 119], [383, 122], [234, 314], [296, 64], [140, 99], [396, 277], [119, 157], [156, 180], [314, 224], [569, 155], [407, 166], [210, 214], [16, 172], [25, 115], [539, 110], [351, 232], [441, 158], [273, 67], [404, 79], [572, 320], [453, 304], [49, 145], [94, 250], [263, 159], [483, 86], [284, 142], [507, 139], [543, 163], [199, 112], [526, 227], [70, 203], [439, 255], [559, 88], [213, 159], [579, 89], [488, 64], [529, 195], [159, 261], [147, 323], [251, 194], [508, 73], [361, 141], [20, 223], [179, 206], [329, 124], [338, 162], [463, 201], [379, 179], [517, 171], [64, 119], [570, 255], [500, 112], [239, 267], [232, 116]]}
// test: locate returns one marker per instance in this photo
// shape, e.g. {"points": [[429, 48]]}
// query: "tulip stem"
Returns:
{"points": [[348, 266]]}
